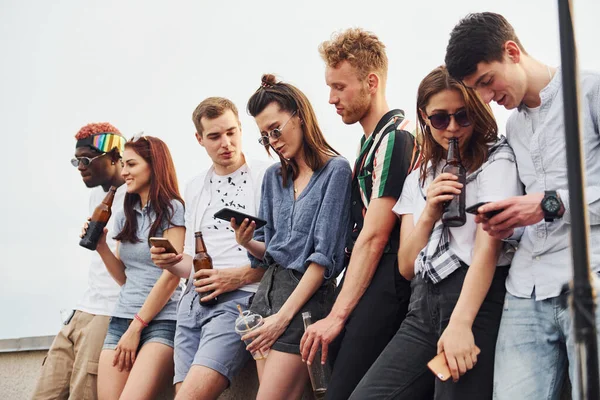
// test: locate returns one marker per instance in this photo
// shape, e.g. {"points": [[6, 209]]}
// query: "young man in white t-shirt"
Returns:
{"points": [[70, 369], [208, 352]]}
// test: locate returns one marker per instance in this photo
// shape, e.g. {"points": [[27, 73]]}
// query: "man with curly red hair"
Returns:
{"points": [[70, 369]]}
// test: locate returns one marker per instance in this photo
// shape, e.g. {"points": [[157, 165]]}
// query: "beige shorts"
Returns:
{"points": [[70, 369]]}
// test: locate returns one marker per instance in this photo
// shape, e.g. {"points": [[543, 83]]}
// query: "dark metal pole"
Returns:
{"points": [[582, 295]]}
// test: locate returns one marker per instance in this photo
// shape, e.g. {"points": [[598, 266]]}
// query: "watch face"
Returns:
{"points": [[552, 204]]}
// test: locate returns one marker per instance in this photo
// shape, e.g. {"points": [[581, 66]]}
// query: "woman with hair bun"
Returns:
{"points": [[306, 203]]}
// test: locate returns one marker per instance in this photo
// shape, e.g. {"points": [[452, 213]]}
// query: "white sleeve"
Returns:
{"points": [[498, 181], [405, 204]]}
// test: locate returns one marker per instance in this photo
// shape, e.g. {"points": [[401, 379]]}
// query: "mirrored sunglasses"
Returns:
{"points": [[275, 133], [86, 161]]}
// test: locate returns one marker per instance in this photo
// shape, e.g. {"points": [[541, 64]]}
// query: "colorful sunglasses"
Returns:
{"points": [[104, 142]]}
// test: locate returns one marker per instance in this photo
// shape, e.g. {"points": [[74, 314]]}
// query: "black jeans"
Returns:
{"points": [[370, 327], [401, 371]]}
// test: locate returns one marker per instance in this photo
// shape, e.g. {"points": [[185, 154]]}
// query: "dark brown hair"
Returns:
{"points": [[290, 99], [163, 187], [485, 130], [478, 37], [211, 108]]}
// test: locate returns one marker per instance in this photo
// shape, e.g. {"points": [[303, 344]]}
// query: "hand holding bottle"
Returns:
{"points": [[442, 190]]}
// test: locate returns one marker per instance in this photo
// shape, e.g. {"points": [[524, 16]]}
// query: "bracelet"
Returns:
{"points": [[141, 320]]}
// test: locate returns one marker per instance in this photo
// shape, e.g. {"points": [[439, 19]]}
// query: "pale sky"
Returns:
{"points": [[145, 65]]}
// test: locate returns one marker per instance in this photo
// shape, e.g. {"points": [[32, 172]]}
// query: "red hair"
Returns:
{"points": [[163, 187], [94, 128]]}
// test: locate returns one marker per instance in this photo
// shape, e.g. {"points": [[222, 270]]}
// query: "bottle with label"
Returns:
{"points": [[98, 221], [319, 374], [454, 214], [203, 261]]}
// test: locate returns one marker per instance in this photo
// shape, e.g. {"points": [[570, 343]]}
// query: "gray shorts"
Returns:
{"points": [[205, 335], [275, 288]]}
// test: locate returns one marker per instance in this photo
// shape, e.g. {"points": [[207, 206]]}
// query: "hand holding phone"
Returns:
{"points": [[227, 213], [439, 366], [473, 210], [164, 243]]}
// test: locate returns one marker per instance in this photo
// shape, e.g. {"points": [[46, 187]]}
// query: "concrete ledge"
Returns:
{"points": [[26, 344], [21, 360]]}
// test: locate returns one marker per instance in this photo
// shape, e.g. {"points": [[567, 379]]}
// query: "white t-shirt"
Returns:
{"points": [[497, 181], [233, 191], [102, 292]]}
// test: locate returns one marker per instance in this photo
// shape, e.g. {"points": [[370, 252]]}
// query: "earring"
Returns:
{"points": [[112, 163]]}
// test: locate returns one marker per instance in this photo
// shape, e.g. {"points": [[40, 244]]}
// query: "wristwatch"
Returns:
{"points": [[551, 205]]}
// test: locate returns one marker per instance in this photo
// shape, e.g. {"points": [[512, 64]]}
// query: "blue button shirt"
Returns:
{"points": [[312, 228], [543, 259]]}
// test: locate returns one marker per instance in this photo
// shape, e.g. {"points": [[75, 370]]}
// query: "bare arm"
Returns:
{"points": [[113, 263], [167, 283], [275, 325], [126, 350], [413, 238], [457, 340], [243, 235], [367, 251], [225, 280], [177, 264]]}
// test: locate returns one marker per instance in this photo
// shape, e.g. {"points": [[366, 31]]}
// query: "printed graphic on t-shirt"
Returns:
{"points": [[232, 191]]}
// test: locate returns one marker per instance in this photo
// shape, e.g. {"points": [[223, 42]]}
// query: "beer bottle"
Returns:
{"points": [[99, 220], [454, 210], [319, 374], [203, 261]]}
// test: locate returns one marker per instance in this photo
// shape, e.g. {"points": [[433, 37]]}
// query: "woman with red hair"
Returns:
{"points": [[137, 356]]}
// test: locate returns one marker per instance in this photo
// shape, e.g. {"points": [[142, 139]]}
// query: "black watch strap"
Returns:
{"points": [[550, 216]]}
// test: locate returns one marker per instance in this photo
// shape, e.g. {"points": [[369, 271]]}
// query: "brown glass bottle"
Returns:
{"points": [[99, 220], [454, 210], [203, 261]]}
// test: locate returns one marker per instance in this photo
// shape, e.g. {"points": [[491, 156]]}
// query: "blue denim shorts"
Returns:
{"points": [[162, 331], [206, 336]]}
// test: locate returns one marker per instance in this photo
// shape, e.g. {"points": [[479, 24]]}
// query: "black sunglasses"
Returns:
{"points": [[442, 120]]}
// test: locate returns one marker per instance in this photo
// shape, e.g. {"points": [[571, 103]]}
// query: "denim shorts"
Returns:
{"points": [[162, 331], [275, 288], [206, 335]]}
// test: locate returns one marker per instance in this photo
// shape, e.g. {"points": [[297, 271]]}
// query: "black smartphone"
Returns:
{"points": [[227, 213], [473, 210]]}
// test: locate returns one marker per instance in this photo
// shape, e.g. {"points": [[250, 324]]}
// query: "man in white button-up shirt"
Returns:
{"points": [[536, 340]]}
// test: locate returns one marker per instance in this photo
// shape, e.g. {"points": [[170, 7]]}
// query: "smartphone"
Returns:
{"points": [[473, 210], [227, 213], [439, 366], [164, 243]]}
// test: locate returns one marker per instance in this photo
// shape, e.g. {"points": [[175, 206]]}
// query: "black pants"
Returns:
{"points": [[370, 327], [401, 371]]}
